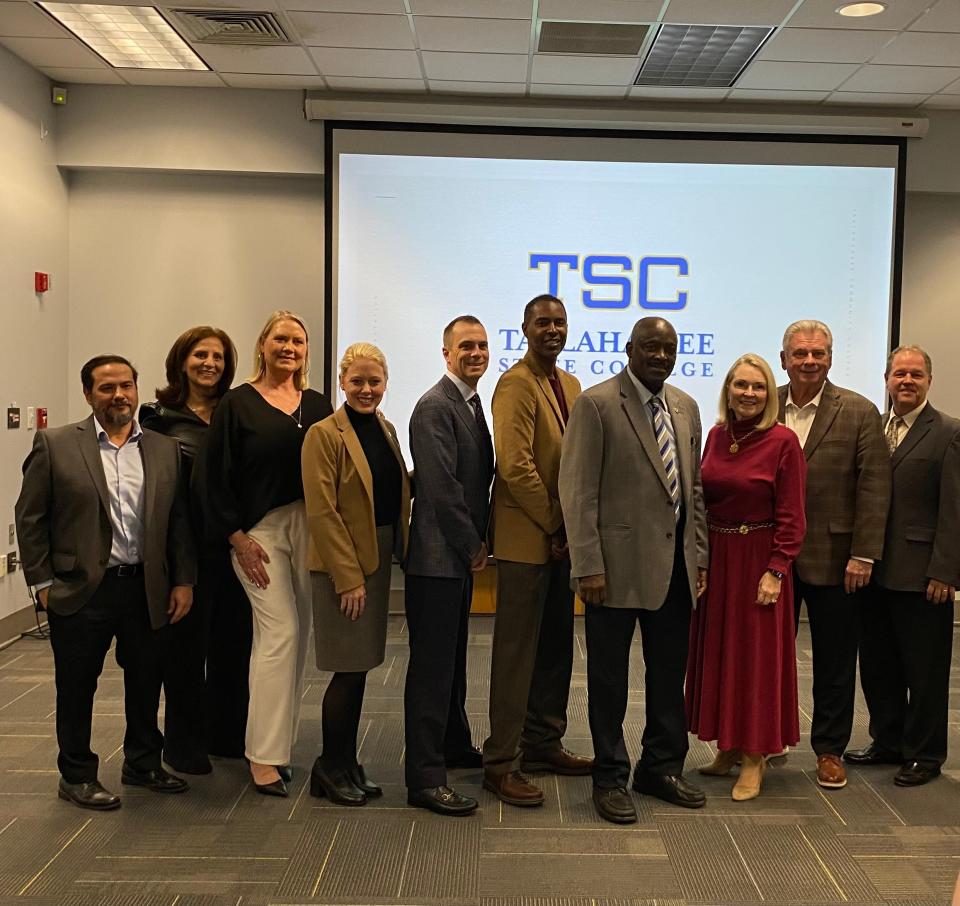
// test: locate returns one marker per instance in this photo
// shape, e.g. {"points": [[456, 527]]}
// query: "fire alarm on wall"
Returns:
{"points": [[58, 95], [41, 282]]}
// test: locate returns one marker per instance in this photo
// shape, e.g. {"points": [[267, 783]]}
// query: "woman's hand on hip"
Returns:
{"points": [[353, 601]]}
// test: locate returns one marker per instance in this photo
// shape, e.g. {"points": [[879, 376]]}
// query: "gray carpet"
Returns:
{"points": [[221, 844]]}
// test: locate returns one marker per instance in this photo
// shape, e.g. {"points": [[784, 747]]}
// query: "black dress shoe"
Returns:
{"points": [[359, 778], [442, 800], [188, 764], [614, 804], [915, 773], [468, 758], [285, 772], [871, 754], [276, 788], [672, 788], [88, 795], [158, 780], [335, 785]]}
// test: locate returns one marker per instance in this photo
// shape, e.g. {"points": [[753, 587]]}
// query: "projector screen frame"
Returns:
{"points": [[331, 126]]}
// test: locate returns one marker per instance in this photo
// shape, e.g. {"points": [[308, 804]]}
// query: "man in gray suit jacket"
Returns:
{"points": [[453, 468], [631, 494], [906, 620], [106, 543]]}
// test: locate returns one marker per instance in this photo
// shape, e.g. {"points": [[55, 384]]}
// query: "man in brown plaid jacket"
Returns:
{"points": [[848, 494]]}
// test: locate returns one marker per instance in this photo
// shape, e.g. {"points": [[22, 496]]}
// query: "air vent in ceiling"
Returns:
{"points": [[229, 26], [595, 38], [700, 56]]}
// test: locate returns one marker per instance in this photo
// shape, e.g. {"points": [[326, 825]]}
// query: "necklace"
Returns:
{"points": [[297, 417], [734, 443]]}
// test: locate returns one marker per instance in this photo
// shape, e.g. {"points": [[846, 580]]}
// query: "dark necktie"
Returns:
{"points": [[478, 414]]}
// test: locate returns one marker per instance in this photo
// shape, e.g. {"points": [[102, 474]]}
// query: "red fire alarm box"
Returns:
{"points": [[41, 282], [41, 417]]}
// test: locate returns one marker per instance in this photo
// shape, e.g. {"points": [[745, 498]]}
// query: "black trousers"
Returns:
{"points": [[206, 669], [834, 632], [532, 660], [434, 698], [80, 641], [906, 644], [665, 635]]}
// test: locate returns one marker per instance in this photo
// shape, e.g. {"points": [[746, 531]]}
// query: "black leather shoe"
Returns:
{"points": [[88, 795], [285, 772], [335, 785], [871, 754], [915, 773], [276, 788], [158, 780], [614, 804], [188, 764], [468, 758], [672, 788], [369, 789], [442, 800]]}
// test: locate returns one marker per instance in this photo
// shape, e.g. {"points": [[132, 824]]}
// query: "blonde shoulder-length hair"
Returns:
{"points": [[770, 410], [300, 379]]}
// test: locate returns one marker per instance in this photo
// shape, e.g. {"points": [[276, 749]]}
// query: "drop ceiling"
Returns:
{"points": [[907, 57]]}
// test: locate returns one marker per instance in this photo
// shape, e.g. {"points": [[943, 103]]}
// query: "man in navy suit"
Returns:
{"points": [[453, 468]]}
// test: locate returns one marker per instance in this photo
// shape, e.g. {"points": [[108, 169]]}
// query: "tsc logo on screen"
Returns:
{"points": [[609, 280]]}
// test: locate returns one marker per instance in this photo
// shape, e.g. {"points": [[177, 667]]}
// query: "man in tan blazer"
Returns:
{"points": [[630, 488], [533, 633], [848, 493]]}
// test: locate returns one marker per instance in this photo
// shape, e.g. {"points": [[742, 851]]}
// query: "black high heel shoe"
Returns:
{"points": [[367, 787], [335, 785], [285, 772]]}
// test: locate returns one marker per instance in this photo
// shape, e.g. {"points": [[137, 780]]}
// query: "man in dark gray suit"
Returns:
{"points": [[453, 468], [105, 542], [906, 626]]}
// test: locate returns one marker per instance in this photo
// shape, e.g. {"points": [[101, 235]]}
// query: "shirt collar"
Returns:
{"points": [[466, 391], [645, 394], [135, 432], [911, 416], [815, 402]]}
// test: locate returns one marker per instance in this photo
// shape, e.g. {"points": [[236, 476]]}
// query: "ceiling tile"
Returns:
{"points": [[918, 49], [255, 80], [601, 10], [356, 83], [796, 76], [24, 20], [652, 92], [59, 52], [348, 30], [950, 101], [823, 45], [383, 64], [475, 67], [273, 60], [345, 6], [496, 9], [876, 98], [759, 94], [583, 70], [447, 86], [730, 12], [944, 16], [823, 14], [492, 35], [902, 79], [64, 75], [579, 91], [173, 78]]}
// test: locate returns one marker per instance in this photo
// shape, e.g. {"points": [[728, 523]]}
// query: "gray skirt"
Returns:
{"points": [[346, 646]]}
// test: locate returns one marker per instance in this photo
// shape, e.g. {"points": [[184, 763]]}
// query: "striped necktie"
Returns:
{"points": [[668, 451]]}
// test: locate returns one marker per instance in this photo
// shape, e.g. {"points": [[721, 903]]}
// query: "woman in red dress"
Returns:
{"points": [[742, 678]]}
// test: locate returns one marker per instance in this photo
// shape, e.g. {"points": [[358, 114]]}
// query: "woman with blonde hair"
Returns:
{"points": [[742, 675], [358, 511], [248, 481]]}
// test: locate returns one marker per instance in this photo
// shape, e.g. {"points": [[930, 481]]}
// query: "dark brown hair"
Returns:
{"points": [[177, 391], [86, 373]]}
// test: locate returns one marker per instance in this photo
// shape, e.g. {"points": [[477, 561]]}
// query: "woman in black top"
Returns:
{"points": [[248, 478], [205, 685]]}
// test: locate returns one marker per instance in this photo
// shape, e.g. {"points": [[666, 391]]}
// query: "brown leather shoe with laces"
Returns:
{"points": [[557, 761], [513, 788], [831, 773]]}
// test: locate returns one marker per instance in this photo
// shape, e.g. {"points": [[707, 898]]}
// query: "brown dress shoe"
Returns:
{"points": [[557, 761], [830, 771], [513, 788]]}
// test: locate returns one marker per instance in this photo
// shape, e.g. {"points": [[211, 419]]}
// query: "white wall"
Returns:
{"points": [[33, 237], [152, 254]]}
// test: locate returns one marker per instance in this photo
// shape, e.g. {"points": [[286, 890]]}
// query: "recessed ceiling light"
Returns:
{"points": [[127, 37], [861, 9]]}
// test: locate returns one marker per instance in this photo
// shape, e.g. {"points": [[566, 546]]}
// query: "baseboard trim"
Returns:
{"points": [[16, 624]]}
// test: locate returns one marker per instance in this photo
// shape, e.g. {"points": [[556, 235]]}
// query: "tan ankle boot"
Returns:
{"points": [[751, 777], [724, 761]]}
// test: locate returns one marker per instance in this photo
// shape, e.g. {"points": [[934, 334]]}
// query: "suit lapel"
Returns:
{"points": [[544, 384], [147, 452], [918, 430], [355, 451], [782, 409], [826, 413], [90, 451], [453, 393], [633, 409]]}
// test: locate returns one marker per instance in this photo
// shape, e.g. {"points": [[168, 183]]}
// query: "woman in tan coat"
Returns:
{"points": [[358, 511]]}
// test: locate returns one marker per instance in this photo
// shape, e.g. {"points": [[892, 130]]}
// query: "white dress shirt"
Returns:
{"points": [[466, 391], [123, 471], [799, 419]]}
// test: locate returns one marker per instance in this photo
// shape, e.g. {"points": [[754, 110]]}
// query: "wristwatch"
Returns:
{"points": [[777, 573]]}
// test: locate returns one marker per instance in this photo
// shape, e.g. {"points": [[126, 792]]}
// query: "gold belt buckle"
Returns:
{"points": [[744, 529]]}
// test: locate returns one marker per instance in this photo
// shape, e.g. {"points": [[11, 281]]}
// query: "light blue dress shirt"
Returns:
{"points": [[123, 471], [645, 397]]}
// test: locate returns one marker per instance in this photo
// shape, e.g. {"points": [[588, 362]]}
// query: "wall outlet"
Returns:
{"points": [[12, 562], [3, 566]]}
